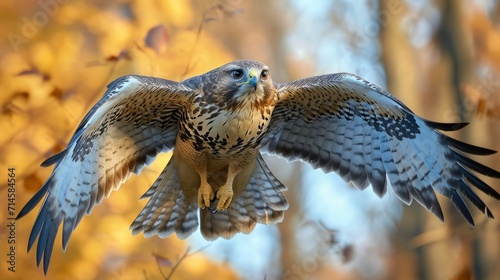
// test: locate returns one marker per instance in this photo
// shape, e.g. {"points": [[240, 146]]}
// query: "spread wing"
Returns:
{"points": [[343, 123], [134, 121]]}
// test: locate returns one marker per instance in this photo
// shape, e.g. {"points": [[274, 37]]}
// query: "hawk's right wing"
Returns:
{"points": [[342, 123], [134, 121]]}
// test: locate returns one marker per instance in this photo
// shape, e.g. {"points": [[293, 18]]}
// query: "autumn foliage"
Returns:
{"points": [[57, 56]]}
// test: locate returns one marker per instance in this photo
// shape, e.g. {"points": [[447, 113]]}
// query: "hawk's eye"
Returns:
{"points": [[264, 74], [237, 74]]}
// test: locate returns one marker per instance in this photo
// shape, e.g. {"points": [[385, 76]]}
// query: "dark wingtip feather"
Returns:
{"points": [[49, 246], [402, 192], [53, 159], [459, 203], [46, 242], [476, 166], [478, 183], [42, 241], [466, 190], [468, 148], [44, 228], [34, 200], [379, 184], [489, 214], [437, 211], [67, 230], [37, 227], [427, 198], [446, 126]]}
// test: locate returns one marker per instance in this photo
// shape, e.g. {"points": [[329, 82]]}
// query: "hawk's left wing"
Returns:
{"points": [[343, 123], [134, 121]]}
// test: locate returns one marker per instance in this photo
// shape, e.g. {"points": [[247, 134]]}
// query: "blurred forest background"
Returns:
{"points": [[440, 57]]}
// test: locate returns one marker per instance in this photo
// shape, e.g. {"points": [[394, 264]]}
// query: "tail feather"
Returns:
{"points": [[270, 187], [262, 201], [168, 210]]}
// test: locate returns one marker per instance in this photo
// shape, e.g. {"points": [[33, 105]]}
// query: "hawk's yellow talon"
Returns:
{"points": [[224, 195], [205, 195]]}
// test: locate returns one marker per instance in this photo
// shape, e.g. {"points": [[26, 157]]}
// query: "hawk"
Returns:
{"points": [[219, 123]]}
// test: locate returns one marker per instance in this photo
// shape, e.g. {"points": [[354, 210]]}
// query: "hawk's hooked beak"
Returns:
{"points": [[252, 79]]}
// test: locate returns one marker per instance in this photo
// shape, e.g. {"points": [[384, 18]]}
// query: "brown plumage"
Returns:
{"points": [[219, 123]]}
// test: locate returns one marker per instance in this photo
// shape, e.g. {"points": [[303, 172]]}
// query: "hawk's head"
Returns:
{"points": [[239, 84]]}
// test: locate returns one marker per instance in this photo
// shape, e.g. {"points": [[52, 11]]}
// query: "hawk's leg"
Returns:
{"points": [[205, 192], [225, 192]]}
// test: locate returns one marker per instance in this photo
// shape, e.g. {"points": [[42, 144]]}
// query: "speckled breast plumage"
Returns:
{"points": [[221, 132]]}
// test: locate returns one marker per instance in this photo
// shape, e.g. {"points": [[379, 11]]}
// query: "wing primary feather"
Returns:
{"points": [[458, 202], [478, 183], [49, 246], [476, 166], [47, 231], [35, 199], [42, 240], [41, 243], [427, 198], [54, 159], [468, 148], [37, 227], [446, 126], [66, 234], [472, 196]]}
